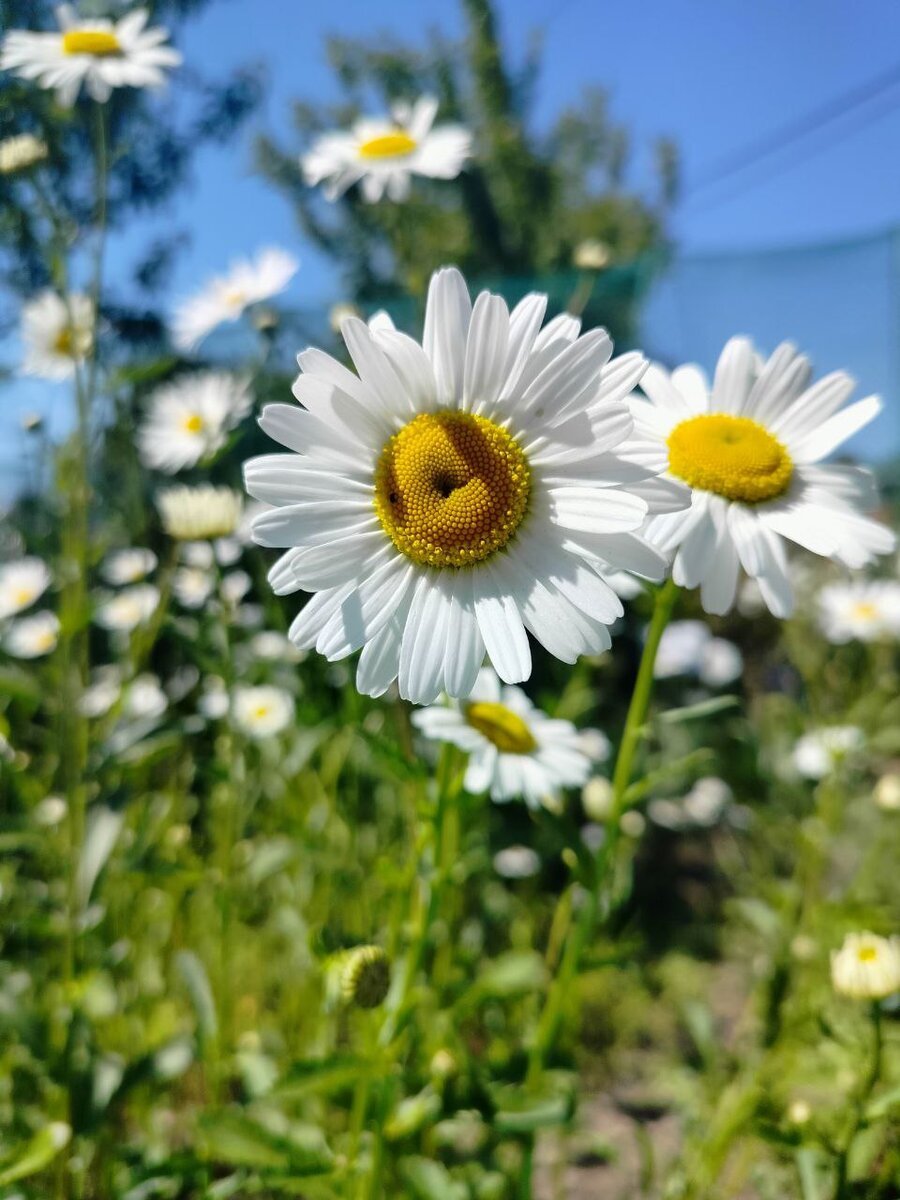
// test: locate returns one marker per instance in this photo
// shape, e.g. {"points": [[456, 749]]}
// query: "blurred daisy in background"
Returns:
{"points": [[99, 54], [192, 586], [816, 754], [201, 513], [21, 152], [57, 334], [383, 153], [271, 646], [514, 749], [235, 586], [517, 862], [102, 693], [21, 583], [128, 609], [228, 296], [751, 447], [689, 648], [452, 495], [32, 637], [862, 610], [127, 566], [144, 699], [262, 712], [190, 419], [867, 967]]}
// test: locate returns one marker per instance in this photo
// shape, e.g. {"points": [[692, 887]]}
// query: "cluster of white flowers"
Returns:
{"points": [[689, 648], [23, 582]]}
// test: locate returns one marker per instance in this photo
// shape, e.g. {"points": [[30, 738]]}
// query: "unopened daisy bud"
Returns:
{"points": [[339, 314], [443, 1065], [32, 422], [20, 153], [887, 792], [866, 967], [365, 976], [591, 255], [596, 798], [632, 824], [799, 1112]]}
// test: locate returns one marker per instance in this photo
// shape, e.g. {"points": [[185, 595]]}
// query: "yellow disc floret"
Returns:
{"points": [[98, 42], [451, 489], [501, 726], [734, 457], [390, 145], [193, 423]]}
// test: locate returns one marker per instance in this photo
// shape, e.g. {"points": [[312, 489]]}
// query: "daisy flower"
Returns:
{"points": [[33, 637], [689, 648], [21, 583], [127, 566], [99, 54], [103, 692], [226, 297], [514, 749], [57, 334], [819, 752], [866, 967], [751, 448], [383, 153], [863, 610], [190, 419], [192, 586], [129, 608], [448, 498], [21, 152], [262, 712], [202, 513], [145, 699]]}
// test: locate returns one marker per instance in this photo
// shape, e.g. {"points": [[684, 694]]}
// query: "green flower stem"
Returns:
{"points": [[841, 1182], [586, 920]]}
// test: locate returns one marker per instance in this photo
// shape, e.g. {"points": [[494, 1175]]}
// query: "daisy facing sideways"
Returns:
{"points": [[514, 749], [751, 448], [383, 153], [453, 495], [57, 334], [34, 636], [190, 419], [100, 54], [862, 610], [21, 583], [228, 296]]}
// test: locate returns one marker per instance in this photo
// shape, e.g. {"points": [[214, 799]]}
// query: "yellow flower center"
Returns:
{"points": [[867, 954], [732, 456], [451, 489], [260, 712], [865, 610], [64, 343], [91, 41], [389, 145], [193, 423], [501, 726], [234, 297], [45, 641], [22, 596]]}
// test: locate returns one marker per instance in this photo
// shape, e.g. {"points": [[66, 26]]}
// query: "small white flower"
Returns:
{"points": [[104, 691], [198, 554], [863, 610], [707, 800], [192, 586], [57, 334], [633, 823], [235, 586], [752, 447], [271, 646], [689, 648], [383, 153], [100, 54], [226, 297], [51, 811], [190, 419], [127, 566], [517, 862], [338, 314], [21, 152], [597, 798], [145, 698], [227, 551], [514, 749], [213, 702], [816, 754], [21, 583], [887, 792], [33, 637], [199, 513], [592, 255], [595, 744], [129, 608], [721, 663], [262, 712], [866, 967]]}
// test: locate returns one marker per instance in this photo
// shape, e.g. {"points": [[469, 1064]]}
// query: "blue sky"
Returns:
{"points": [[714, 76]]}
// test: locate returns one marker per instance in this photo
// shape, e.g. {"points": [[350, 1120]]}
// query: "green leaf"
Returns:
{"points": [[412, 1114], [516, 973], [695, 712], [38, 1154], [883, 1105], [104, 827], [319, 1076], [428, 1180], [195, 979], [267, 1143]]}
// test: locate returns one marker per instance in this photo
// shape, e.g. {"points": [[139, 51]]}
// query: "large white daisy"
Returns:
{"points": [[865, 610], [226, 297], [453, 495], [514, 749], [21, 583], [383, 153], [100, 54], [190, 419], [751, 447], [33, 636], [57, 333]]}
